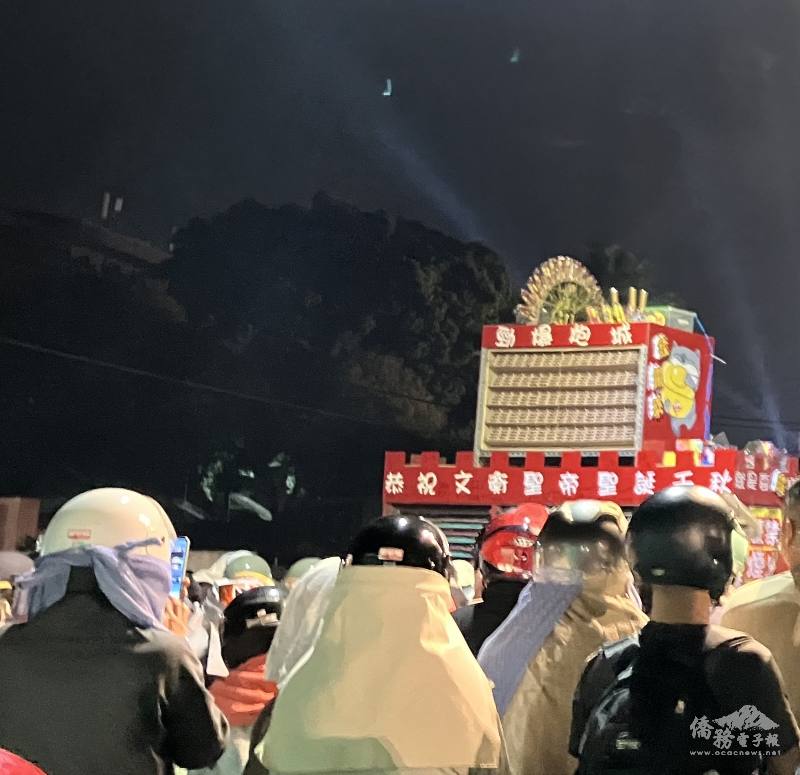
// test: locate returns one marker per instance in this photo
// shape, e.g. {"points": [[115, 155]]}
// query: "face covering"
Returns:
{"points": [[137, 585]]}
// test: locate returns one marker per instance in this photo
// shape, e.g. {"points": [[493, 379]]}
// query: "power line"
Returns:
{"points": [[257, 254], [192, 384], [738, 422]]}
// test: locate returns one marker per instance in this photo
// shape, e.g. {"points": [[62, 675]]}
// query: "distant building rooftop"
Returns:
{"points": [[83, 238]]}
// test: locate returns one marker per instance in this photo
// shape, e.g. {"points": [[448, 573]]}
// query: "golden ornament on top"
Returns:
{"points": [[558, 292]]}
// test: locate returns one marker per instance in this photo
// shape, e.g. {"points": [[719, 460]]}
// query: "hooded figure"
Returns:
{"points": [[390, 685], [579, 599]]}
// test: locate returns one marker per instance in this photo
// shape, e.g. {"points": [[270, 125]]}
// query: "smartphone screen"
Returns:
{"points": [[179, 556]]}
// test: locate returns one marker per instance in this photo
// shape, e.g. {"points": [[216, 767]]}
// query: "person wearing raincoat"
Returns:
{"points": [[390, 685], [579, 599], [302, 619], [300, 626], [769, 609]]}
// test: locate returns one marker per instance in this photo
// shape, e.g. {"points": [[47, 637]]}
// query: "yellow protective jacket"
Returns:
{"points": [[390, 685], [769, 611], [537, 720]]}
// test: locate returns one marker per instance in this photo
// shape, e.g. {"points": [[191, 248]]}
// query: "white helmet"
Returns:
{"points": [[108, 517]]}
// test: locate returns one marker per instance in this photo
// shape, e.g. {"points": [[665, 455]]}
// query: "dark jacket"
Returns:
{"points": [[477, 622], [85, 692]]}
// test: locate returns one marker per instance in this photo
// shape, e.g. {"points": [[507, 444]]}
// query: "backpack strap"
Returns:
{"points": [[600, 675]]}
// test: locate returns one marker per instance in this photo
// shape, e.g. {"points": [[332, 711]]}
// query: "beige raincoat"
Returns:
{"points": [[389, 687], [538, 718], [769, 611]]}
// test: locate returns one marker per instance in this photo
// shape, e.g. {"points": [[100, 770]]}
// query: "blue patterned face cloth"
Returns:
{"points": [[137, 585], [507, 653]]}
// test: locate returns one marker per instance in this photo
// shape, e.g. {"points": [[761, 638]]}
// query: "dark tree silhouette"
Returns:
{"points": [[351, 334], [344, 309]]}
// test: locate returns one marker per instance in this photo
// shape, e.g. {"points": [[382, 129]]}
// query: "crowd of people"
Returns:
{"points": [[579, 641]]}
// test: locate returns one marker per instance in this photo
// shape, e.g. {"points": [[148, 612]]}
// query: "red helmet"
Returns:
{"points": [[13, 765], [509, 540]]}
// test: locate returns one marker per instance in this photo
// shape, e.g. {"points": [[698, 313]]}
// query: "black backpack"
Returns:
{"points": [[610, 744]]}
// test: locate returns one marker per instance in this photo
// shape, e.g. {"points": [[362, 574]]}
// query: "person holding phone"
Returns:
{"points": [[119, 692]]}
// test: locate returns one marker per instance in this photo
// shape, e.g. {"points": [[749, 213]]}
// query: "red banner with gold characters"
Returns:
{"points": [[764, 557]]}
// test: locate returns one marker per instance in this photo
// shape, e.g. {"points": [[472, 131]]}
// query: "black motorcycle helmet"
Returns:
{"points": [[251, 620], [259, 607], [397, 540], [682, 536]]}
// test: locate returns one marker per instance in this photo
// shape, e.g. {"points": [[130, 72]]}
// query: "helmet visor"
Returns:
{"points": [[585, 557]]}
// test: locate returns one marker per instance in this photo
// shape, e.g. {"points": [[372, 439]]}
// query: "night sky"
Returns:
{"points": [[670, 128]]}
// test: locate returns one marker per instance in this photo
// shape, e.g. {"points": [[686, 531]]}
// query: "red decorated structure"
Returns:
{"points": [[625, 387], [601, 411]]}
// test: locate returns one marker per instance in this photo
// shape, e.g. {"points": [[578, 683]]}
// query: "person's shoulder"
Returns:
{"points": [[761, 594], [727, 647], [609, 660]]}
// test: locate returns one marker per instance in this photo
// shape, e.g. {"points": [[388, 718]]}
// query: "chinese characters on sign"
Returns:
{"points": [[607, 482], [579, 335], [621, 335], [644, 483], [720, 481], [569, 483], [542, 336], [394, 484], [498, 483], [462, 480], [629, 485], [426, 484], [765, 541], [532, 482], [505, 337]]}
